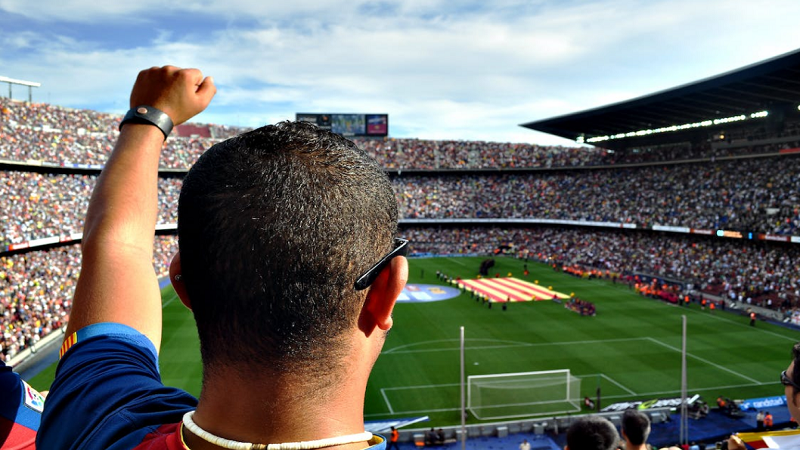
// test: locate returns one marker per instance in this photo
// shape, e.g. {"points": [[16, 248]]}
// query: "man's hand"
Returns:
{"points": [[117, 281], [180, 93]]}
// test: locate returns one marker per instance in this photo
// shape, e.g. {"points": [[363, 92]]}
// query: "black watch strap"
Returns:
{"points": [[148, 115]]}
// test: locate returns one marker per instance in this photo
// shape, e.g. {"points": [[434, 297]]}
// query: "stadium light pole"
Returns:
{"points": [[684, 433], [463, 400]]}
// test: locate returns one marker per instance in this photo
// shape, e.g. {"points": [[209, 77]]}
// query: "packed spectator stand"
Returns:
{"points": [[36, 290], [46, 151], [757, 195]]}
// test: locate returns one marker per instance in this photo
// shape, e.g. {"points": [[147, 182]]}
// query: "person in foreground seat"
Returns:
{"points": [[592, 433], [288, 260], [20, 411]]}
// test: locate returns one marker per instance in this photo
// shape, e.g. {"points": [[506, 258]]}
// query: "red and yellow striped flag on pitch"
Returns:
{"points": [[510, 289]]}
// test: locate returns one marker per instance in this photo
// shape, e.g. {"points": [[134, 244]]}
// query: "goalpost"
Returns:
{"points": [[510, 395]]}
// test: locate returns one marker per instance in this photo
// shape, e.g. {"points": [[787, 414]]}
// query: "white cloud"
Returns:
{"points": [[440, 69]]}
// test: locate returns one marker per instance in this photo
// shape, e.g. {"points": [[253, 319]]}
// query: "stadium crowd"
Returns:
{"points": [[762, 274], [40, 205], [43, 132], [758, 195], [749, 195], [36, 291], [430, 155]]}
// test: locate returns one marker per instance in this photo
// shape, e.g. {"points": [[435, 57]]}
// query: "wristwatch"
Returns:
{"points": [[148, 115]]}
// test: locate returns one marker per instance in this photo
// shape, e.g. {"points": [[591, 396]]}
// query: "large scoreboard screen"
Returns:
{"points": [[349, 124]]}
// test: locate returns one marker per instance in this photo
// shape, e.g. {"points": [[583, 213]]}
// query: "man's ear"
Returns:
{"points": [[382, 295], [177, 283]]}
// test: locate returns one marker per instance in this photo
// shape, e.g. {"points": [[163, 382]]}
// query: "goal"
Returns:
{"points": [[509, 395]]}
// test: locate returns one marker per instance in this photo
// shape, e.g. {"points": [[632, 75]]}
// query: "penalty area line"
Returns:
{"points": [[388, 403], [706, 361], [611, 380]]}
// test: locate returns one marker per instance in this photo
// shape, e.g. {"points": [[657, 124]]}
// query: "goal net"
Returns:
{"points": [[509, 395]]}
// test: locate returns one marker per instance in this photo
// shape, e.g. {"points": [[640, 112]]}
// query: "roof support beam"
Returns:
{"points": [[762, 95]]}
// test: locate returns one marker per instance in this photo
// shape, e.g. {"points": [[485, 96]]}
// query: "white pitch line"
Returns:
{"points": [[707, 362], [723, 319], [714, 388], [457, 261], [713, 316], [419, 411], [427, 386], [171, 299], [395, 351], [607, 378], [618, 384], [398, 349], [482, 347], [645, 394], [388, 403]]}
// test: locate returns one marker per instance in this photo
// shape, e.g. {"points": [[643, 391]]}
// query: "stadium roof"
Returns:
{"points": [[771, 85]]}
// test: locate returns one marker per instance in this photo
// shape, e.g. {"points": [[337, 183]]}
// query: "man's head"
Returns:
{"points": [[274, 227], [635, 427], [592, 433]]}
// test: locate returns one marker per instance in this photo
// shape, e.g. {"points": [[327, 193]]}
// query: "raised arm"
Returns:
{"points": [[117, 281]]}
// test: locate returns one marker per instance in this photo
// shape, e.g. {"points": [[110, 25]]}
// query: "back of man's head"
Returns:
{"points": [[635, 426], [592, 433], [275, 226]]}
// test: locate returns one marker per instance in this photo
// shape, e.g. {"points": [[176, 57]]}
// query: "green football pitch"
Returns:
{"points": [[630, 349]]}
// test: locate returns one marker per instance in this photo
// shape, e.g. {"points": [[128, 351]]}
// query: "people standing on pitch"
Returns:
{"points": [[592, 433], [635, 429], [288, 260]]}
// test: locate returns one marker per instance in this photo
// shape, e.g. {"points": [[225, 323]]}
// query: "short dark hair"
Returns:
{"points": [[275, 226], [636, 426], [796, 371], [592, 433]]}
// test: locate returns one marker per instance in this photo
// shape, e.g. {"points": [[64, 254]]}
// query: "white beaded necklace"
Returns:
{"points": [[303, 445]]}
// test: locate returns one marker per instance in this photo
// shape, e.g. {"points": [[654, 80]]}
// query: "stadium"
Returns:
{"points": [[569, 268]]}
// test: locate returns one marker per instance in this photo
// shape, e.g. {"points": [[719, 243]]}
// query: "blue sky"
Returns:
{"points": [[441, 69]]}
